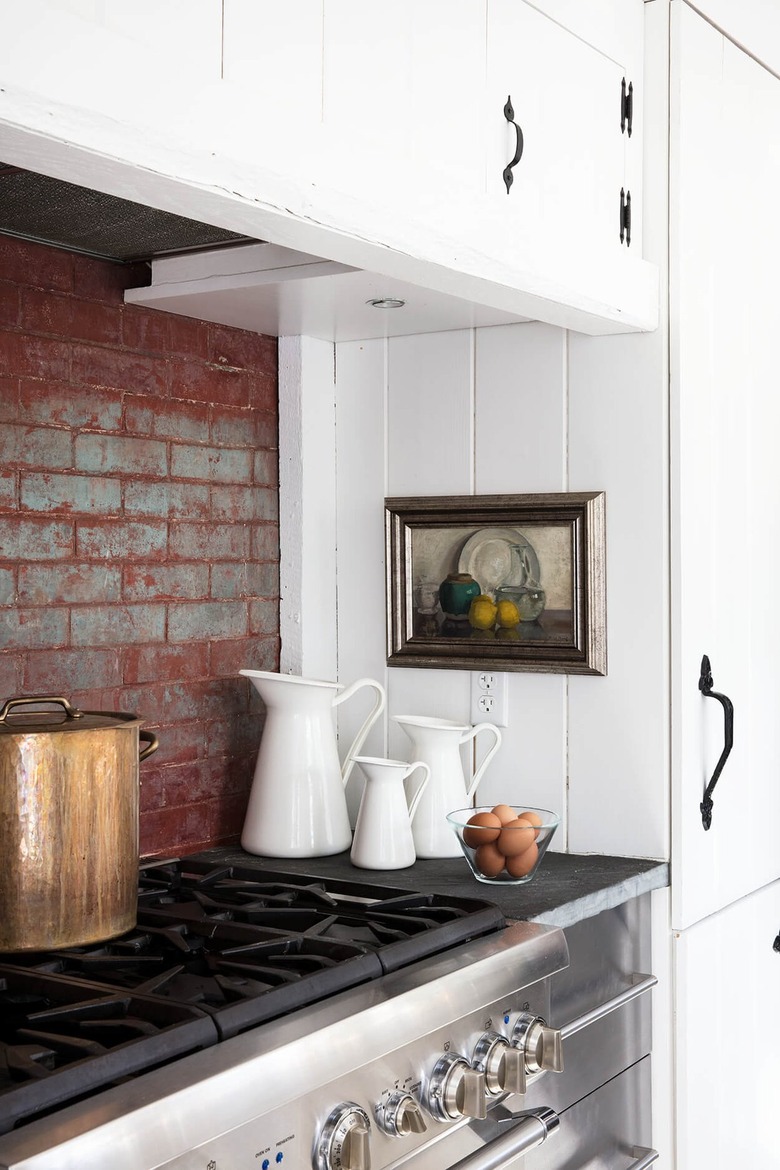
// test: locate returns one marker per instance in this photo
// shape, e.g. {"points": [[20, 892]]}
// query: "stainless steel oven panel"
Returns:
{"points": [[595, 1055], [607, 1130], [604, 951], [603, 1130]]}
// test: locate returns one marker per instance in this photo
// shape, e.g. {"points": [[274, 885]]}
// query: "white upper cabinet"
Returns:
{"points": [[413, 119], [272, 79], [402, 99], [372, 135], [725, 189], [566, 97], [145, 61]]}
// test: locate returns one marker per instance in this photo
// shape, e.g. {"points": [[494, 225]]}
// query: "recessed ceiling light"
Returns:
{"points": [[386, 303]]}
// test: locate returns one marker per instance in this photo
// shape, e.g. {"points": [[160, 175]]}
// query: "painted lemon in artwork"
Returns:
{"points": [[508, 615], [483, 612]]}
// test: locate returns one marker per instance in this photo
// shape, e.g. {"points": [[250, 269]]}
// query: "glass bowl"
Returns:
{"points": [[498, 850]]}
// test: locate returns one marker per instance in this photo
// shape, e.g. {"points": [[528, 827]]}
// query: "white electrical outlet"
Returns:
{"points": [[489, 697]]}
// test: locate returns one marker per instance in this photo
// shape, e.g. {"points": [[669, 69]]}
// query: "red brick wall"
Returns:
{"points": [[139, 564]]}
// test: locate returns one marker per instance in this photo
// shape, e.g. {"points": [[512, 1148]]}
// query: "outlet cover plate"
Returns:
{"points": [[489, 697]]}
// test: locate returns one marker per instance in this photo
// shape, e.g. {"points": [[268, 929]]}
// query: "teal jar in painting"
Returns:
{"points": [[456, 593]]}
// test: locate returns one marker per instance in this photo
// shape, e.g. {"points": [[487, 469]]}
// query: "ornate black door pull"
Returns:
{"points": [[509, 114], [705, 686]]}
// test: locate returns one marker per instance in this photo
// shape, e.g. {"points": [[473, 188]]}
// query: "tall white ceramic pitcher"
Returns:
{"points": [[297, 806], [383, 833], [437, 743]]}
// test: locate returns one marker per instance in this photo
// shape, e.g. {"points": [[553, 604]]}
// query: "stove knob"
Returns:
{"points": [[399, 1114], [455, 1089], [540, 1045], [343, 1142], [503, 1065]]}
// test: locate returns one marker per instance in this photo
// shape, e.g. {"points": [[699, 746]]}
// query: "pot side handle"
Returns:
{"points": [[152, 744]]}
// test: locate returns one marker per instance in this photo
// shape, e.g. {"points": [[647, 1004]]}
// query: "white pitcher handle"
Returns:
{"points": [[373, 715], [472, 734], [413, 803]]}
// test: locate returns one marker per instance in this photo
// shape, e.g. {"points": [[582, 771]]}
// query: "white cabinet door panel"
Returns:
{"points": [[144, 61], [272, 79], [402, 91], [725, 487], [727, 978], [566, 98]]}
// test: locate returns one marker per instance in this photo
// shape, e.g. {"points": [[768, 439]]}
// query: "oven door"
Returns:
{"points": [[606, 1130]]}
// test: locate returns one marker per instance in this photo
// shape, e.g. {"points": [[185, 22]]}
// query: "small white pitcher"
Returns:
{"points": [[437, 743], [383, 833]]}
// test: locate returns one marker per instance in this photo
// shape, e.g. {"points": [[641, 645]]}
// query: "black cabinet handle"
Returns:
{"points": [[509, 114], [705, 686], [776, 943]]}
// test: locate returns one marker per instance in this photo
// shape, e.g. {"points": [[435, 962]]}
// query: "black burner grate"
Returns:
{"points": [[216, 951], [60, 1040]]}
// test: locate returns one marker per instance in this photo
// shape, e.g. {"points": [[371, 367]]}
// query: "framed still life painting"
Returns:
{"points": [[506, 582]]}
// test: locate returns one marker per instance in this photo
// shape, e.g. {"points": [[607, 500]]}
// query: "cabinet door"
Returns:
{"points": [[143, 61], [727, 978], [272, 66], [566, 98], [725, 189], [402, 99]]}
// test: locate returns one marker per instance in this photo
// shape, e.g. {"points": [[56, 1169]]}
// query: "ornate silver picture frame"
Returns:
{"points": [[500, 582]]}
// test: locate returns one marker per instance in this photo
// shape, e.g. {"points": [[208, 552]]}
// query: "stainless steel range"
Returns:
{"points": [[269, 1020]]}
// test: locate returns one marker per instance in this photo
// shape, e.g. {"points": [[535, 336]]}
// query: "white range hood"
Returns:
{"points": [[282, 293]]}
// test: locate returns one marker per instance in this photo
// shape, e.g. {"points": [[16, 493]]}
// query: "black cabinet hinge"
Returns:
{"points": [[625, 217], [626, 107]]}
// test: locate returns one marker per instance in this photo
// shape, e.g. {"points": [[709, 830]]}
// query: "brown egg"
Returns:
{"points": [[522, 865], [534, 818], [488, 860], [489, 826], [504, 813], [515, 837]]}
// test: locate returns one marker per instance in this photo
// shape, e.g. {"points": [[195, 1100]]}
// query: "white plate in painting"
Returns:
{"points": [[488, 557]]}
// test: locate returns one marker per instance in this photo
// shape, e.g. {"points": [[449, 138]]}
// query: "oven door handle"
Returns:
{"points": [[644, 1157], [640, 984], [533, 1126]]}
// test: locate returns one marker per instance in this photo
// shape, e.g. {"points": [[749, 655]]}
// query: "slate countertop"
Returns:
{"points": [[568, 887]]}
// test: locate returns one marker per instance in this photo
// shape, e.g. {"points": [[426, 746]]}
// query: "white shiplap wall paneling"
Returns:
{"points": [[430, 407], [430, 398], [360, 483], [520, 446], [307, 507], [618, 736]]}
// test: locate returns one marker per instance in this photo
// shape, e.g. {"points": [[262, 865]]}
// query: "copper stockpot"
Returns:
{"points": [[69, 799]]}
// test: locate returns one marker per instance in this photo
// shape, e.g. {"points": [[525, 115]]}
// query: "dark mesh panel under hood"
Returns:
{"points": [[50, 211]]}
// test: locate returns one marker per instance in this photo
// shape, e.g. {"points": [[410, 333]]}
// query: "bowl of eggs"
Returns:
{"points": [[505, 843]]}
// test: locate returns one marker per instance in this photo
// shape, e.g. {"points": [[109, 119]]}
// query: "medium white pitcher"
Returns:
{"points": [[383, 833], [297, 806], [437, 743]]}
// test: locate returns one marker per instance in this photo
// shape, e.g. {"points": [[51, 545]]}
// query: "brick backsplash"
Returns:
{"points": [[139, 540]]}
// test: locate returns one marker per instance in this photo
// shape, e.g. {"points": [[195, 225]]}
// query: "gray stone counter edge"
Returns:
{"points": [[568, 913]]}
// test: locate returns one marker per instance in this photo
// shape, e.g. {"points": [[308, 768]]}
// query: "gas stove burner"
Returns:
{"points": [[60, 1039], [216, 950]]}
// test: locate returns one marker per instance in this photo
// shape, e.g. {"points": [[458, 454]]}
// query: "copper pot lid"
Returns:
{"points": [[69, 718]]}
